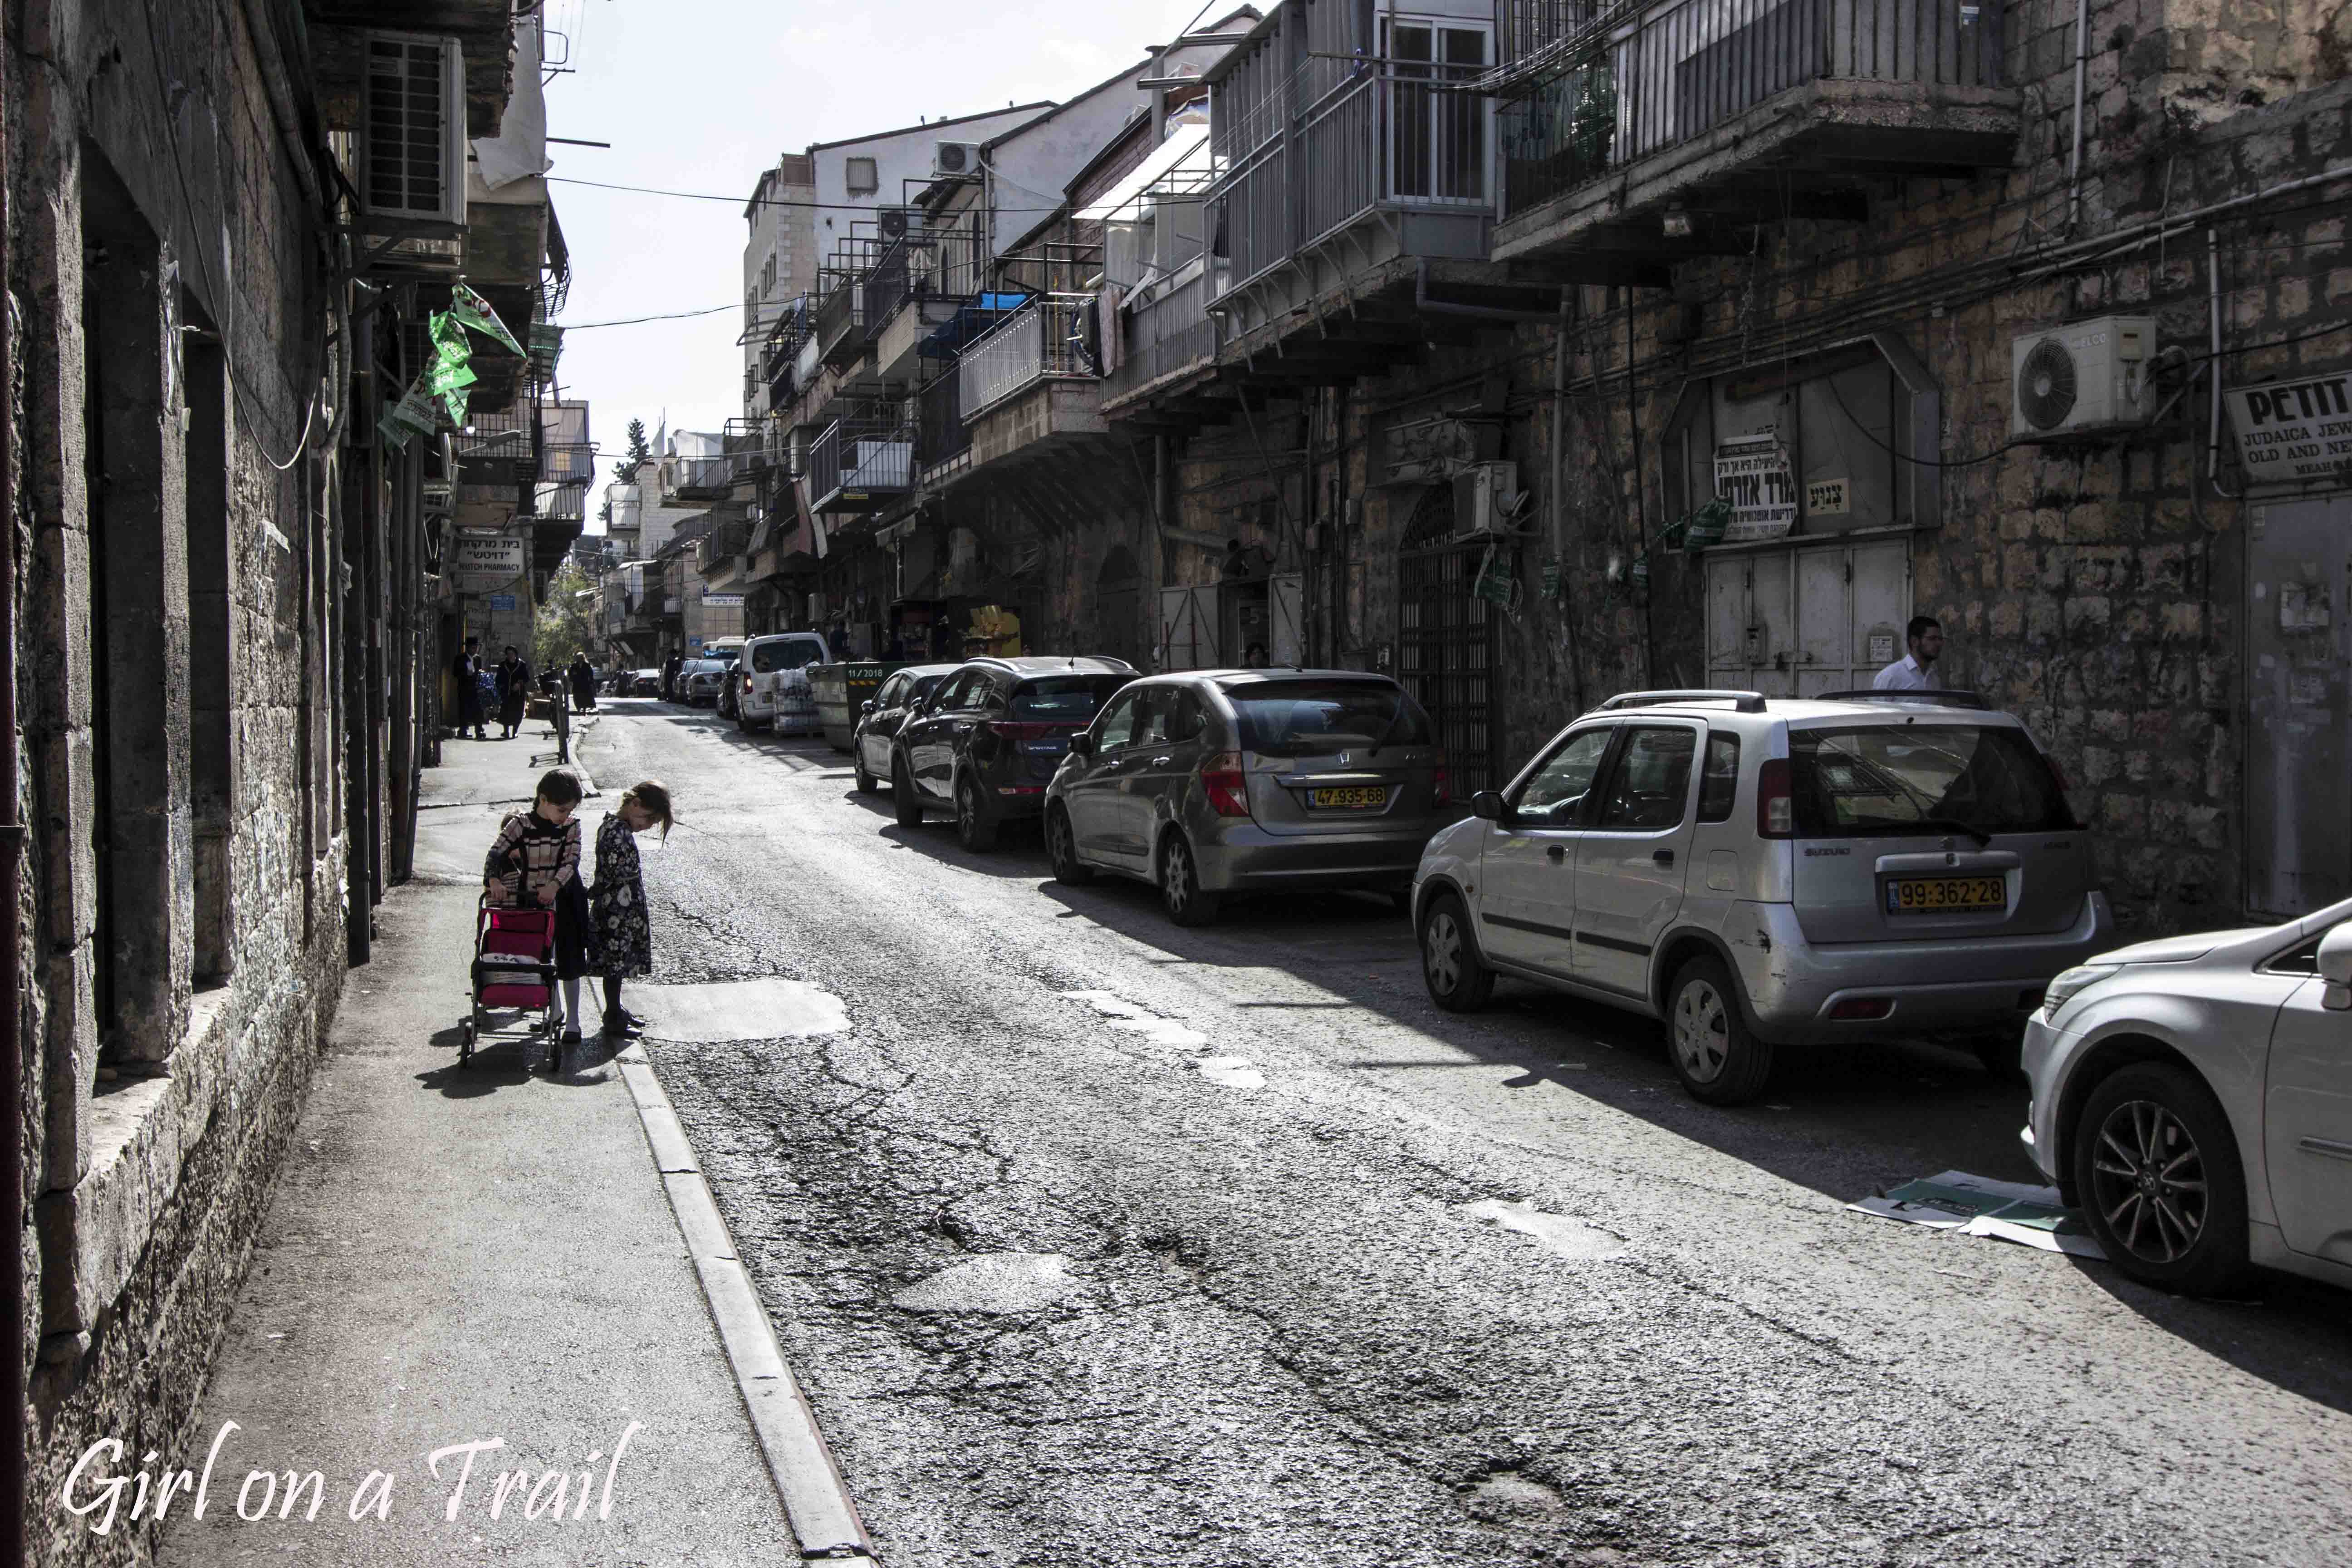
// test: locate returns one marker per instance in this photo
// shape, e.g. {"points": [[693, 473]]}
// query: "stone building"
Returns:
{"points": [[216, 584]]}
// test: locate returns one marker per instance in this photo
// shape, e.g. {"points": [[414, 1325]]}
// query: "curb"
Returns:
{"points": [[817, 1503]]}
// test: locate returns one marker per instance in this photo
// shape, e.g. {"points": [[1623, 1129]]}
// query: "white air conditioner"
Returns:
{"points": [[412, 142], [954, 158], [2080, 378], [1487, 497]]}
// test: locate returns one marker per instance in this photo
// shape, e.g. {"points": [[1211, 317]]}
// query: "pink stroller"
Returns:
{"points": [[514, 969]]}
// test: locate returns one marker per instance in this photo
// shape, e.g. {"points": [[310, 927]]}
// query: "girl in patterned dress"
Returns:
{"points": [[535, 861], [624, 936]]}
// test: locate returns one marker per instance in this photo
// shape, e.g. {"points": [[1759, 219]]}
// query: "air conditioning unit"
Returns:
{"points": [[2080, 378], [412, 138], [892, 222], [954, 158], [1487, 498]]}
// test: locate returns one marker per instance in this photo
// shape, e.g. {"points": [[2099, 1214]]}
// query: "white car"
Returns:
{"points": [[2193, 1096], [772, 683]]}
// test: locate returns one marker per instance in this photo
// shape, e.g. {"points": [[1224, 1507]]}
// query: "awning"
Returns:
{"points": [[1179, 167], [973, 317]]}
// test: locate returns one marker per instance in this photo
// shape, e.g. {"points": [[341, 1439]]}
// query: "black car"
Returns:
{"points": [[880, 718], [987, 742]]}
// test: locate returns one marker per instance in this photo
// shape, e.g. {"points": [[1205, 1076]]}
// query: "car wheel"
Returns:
{"points": [[866, 784], [1181, 893], [1458, 979], [2157, 1171], [903, 798], [1062, 848], [1720, 1059], [973, 828]]}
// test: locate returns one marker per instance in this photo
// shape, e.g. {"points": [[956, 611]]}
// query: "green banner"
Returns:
{"points": [[412, 415], [1494, 582], [472, 311]]}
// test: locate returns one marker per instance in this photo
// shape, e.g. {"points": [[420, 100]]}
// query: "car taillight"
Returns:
{"points": [[747, 683], [1776, 804], [1222, 781], [1438, 793]]}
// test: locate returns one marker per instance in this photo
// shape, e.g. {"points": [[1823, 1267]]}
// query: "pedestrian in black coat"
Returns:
{"points": [[466, 669], [514, 692]]}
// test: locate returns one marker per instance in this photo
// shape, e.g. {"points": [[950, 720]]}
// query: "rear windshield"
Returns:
{"points": [[1307, 718], [769, 657], [1063, 699], [1924, 779]]}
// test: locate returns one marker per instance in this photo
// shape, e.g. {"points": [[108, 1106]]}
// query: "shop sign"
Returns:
{"points": [[1828, 498], [2293, 430], [1751, 472], [722, 601], [484, 563], [502, 601]]}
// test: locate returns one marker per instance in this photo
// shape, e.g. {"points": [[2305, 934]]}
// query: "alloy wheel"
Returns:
{"points": [[1702, 1031], [1441, 952], [2148, 1178]]}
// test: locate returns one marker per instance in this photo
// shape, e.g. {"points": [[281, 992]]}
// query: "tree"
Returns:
{"points": [[566, 623], [639, 450]]}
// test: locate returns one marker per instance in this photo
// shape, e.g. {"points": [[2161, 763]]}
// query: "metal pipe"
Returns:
{"points": [[2213, 365], [12, 935], [2082, 65]]}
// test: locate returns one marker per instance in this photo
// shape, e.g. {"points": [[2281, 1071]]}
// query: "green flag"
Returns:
{"points": [[412, 415], [472, 311], [1493, 584]]}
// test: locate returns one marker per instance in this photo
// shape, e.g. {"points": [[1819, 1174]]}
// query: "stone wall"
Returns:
{"points": [[158, 202]]}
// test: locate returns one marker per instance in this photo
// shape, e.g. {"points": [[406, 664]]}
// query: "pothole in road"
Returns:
{"points": [[998, 1282], [726, 1010], [1554, 1233], [1227, 1072]]}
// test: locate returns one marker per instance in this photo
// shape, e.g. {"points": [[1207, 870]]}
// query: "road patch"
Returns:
{"points": [[1555, 1232], [738, 1010], [995, 1282]]}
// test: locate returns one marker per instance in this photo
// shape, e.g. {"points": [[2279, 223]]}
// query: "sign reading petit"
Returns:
{"points": [[2292, 430], [1751, 472]]}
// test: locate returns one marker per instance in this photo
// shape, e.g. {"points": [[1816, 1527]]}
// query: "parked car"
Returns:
{"points": [[1762, 873], [727, 651], [883, 715], [700, 681], [646, 683], [987, 742], [2193, 1096], [1213, 783], [771, 690]]}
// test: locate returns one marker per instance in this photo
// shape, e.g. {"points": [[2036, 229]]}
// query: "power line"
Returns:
{"points": [[756, 201], [665, 316]]}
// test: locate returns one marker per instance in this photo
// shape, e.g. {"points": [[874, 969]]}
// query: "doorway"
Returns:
{"points": [[1448, 640], [2298, 646]]}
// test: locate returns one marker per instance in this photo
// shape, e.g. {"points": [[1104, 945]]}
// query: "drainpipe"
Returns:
{"points": [[2214, 363], [1560, 503], [12, 935], [2082, 67]]}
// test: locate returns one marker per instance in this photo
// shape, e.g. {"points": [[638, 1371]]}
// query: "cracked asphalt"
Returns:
{"points": [[1098, 1241]]}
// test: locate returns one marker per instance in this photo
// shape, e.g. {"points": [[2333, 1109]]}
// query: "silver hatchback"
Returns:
{"points": [[1210, 783]]}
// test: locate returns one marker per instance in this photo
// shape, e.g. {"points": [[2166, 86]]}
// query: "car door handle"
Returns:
{"points": [[1663, 857], [1161, 761], [1557, 852]]}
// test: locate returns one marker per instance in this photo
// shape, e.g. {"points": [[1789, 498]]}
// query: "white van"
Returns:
{"points": [[771, 684]]}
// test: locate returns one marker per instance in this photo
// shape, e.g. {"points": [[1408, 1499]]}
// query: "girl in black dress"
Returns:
{"points": [[624, 932]]}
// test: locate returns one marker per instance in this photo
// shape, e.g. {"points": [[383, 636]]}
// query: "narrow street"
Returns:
{"points": [[1095, 1240]]}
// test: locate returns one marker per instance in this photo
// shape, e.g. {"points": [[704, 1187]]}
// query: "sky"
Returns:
{"points": [[702, 95]]}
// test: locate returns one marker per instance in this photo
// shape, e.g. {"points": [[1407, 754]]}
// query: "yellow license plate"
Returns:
{"points": [[1366, 797], [1946, 895]]}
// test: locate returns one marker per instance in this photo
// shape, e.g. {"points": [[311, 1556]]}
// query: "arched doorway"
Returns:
{"points": [[1118, 606], [1448, 641]]}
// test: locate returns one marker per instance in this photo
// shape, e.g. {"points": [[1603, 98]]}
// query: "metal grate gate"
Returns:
{"points": [[1447, 642]]}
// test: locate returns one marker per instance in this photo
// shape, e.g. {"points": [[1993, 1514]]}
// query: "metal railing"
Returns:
{"points": [[839, 318], [861, 455], [941, 435], [1172, 333], [1680, 70], [1047, 337]]}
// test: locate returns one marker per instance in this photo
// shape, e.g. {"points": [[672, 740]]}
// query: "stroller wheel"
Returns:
{"points": [[466, 1042]]}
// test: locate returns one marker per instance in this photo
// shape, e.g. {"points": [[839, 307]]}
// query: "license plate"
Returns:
{"points": [[1946, 895], [1359, 797]]}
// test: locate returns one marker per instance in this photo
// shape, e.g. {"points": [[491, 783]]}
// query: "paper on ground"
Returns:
{"points": [[1979, 1205]]}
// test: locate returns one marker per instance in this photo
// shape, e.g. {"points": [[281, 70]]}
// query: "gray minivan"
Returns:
{"points": [[1215, 782]]}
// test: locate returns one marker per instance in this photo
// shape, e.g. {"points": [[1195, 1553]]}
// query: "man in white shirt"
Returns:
{"points": [[1909, 673]]}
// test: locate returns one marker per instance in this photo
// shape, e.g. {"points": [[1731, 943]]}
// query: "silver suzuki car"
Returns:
{"points": [[1228, 781], [1771, 872]]}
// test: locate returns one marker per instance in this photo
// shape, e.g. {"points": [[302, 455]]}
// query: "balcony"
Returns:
{"points": [[916, 287], [861, 462], [1728, 111], [1044, 339], [1163, 341], [840, 322], [941, 437]]}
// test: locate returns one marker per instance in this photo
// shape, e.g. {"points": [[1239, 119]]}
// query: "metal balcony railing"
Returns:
{"points": [[1397, 136], [941, 435], [861, 457], [1048, 337], [1172, 333], [1678, 71], [840, 321]]}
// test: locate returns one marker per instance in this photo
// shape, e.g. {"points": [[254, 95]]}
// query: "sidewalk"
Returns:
{"points": [[457, 1255]]}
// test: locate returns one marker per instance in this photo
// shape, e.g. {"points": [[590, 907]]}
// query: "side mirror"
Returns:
{"points": [[2335, 968], [1082, 744], [866, 706], [1486, 805]]}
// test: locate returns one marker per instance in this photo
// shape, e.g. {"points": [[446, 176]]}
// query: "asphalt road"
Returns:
{"points": [[1098, 1241]]}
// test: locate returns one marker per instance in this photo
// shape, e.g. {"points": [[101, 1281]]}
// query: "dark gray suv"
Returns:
{"points": [[1227, 781]]}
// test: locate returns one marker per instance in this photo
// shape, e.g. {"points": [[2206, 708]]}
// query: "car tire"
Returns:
{"points": [[1062, 848], [903, 798], [1720, 1059], [2145, 1134], [1457, 978], [973, 828], [866, 783], [1180, 894]]}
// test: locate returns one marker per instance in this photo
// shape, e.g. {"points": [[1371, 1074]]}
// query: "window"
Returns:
{"points": [[1117, 725], [1887, 779], [1438, 140], [1063, 699], [1720, 785], [962, 690], [1311, 718], [791, 654], [862, 176], [1554, 795], [887, 696], [1651, 786]]}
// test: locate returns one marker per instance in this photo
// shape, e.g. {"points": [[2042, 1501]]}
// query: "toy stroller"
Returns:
{"points": [[514, 968]]}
